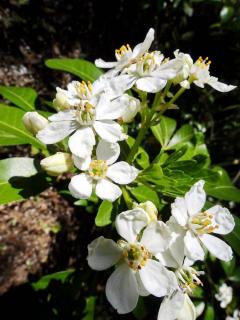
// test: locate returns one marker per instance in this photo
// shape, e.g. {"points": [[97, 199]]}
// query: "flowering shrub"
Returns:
{"points": [[111, 137]]}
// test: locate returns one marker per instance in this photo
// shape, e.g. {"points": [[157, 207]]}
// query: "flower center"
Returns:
{"points": [[98, 169], [85, 113], [203, 63], [84, 89], [188, 278], [136, 255], [203, 223], [119, 53]]}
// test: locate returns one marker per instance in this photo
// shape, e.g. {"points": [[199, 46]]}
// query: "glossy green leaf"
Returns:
{"points": [[22, 97], [44, 282], [103, 217], [234, 237], [184, 134], [164, 130], [144, 193], [83, 69], [12, 130], [20, 179], [209, 313]]}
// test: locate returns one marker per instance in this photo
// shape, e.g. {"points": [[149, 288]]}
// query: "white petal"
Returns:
{"points": [[170, 306], [150, 84], [122, 173], [156, 237], [81, 142], [157, 279], [103, 253], [108, 130], [107, 190], [56, 131], [223, 218], [177, 248], [195, 198], [220, 86], [179, 211], [145, 45], [120, 84], [122, 289], [110, 110], [142, 291], [130, 223], [167, 259], [188, 311], [63, 116], [108, 151], [217, 247], [80, 186], [100, 63], [81, 163], [193, 249]]}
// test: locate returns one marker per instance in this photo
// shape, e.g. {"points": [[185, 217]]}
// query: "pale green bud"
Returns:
{"points": [[61, 101], [150, 208], [57, 164], [34, 122]]}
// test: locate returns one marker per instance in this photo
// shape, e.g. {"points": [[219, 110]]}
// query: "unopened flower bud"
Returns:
{"points": [[132, 109], [185, 64], [61, 101], [150, 208], [34, 122], [57, 164]]}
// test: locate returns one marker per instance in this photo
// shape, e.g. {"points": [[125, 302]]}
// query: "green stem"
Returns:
{"points": [[127, 198]]}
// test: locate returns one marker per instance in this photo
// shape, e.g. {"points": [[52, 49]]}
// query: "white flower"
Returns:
{"points": [[177, 306], [198, 224], [126, 56], [201, 75], [236, 315], [89, 112], [133, 107], [137, 272], [101, 172], [34, 122], [57, 164], [224, 295]]}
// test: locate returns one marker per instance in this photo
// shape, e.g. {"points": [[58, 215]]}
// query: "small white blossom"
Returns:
{"points": [[126, 56], [198, 224], [224, 295], [103, 173], [137, 272], [89, 112]]}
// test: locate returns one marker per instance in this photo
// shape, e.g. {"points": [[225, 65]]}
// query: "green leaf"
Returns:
{"points": [[89, 309], [153, 173], [22, 97], [223, 189], [164, 130], [234, 237], [103, 217], [12, 130], [209, 313], [184, 134], [144, 193], [81, 68], [44, 282], [141, 156], [17, 167], [19, 179]]}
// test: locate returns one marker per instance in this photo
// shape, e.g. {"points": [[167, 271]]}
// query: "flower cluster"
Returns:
{"points": [[90, 133], [153, 257]]}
